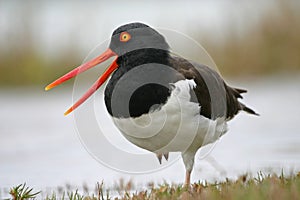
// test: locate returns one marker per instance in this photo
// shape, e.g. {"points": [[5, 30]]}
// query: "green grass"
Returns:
{"points": [[245, 187]]}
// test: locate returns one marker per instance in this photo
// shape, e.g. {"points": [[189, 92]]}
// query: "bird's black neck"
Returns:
{"points": [[142, 96], [142, 56]]}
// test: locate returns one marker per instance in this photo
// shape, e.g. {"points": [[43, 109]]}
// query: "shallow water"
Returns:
{"points": [[41, 147]]}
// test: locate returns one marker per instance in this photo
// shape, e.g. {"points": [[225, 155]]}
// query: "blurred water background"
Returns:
{"points": [[256, 45]]}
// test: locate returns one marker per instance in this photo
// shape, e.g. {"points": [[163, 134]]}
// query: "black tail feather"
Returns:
{"points": [[240, 90], [248, 110], [237, 92]]}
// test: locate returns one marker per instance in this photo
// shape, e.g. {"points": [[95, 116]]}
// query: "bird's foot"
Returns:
{"points": [[160, 155]]}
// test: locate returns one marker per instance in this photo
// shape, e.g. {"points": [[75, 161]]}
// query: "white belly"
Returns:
{"points": [[176, 126]]}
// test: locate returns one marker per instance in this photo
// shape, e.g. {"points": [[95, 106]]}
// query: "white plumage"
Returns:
{"points": [[176, 126]]}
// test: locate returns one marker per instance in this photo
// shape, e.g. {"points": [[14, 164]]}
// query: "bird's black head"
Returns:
{"points": [[135, 36], [134, 42]]}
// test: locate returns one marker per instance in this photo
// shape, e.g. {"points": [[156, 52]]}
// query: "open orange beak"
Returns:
{"points": [[103, 57]]}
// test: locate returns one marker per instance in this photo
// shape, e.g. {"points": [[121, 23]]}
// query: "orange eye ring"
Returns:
{"points": [[124, 37]]}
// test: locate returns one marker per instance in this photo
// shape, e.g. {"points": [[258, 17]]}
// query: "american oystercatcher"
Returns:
{"points": [[161, 102]]}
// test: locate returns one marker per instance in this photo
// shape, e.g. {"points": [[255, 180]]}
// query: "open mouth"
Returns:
{"points": [[92, 63]]}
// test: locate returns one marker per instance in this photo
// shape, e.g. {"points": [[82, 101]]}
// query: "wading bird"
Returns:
{"points": [[161, 102]]}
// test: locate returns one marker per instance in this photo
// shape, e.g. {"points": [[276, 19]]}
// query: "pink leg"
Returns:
{"points": [[187, 178]]}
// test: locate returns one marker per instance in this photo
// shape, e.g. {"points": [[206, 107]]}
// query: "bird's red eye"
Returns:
{"points": [[124, 37]]}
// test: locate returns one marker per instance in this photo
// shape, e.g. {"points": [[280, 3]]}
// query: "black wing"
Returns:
{"points": [[215, 97]]}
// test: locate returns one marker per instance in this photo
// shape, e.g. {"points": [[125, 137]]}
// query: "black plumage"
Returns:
{"points": [[170, 69]]}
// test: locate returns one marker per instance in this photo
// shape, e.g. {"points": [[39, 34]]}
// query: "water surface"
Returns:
{"points": [[41, 147]]}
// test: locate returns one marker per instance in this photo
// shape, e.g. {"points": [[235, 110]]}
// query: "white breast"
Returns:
{"points": [[176, 126]]}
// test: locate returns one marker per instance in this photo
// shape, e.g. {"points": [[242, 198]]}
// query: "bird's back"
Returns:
{"points": [[215, 97]]}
